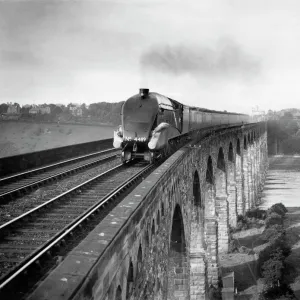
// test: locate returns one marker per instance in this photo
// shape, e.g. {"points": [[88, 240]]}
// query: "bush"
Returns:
{"points": [[276, 246], [265, 254], [241, 219], [289, 273], [245, 250], [256, 213], [239, 226], [233, 246], [283, 291], [292, 236], [278, 208], [214, 294], [272, 233], [272, 269], [273, 219], [244, 222]]}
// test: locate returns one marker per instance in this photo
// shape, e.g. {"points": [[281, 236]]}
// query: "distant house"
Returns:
{"points": [[40, 110], [45, 110], [13, 109], [76, 111], [296, 115], [34, 110]]}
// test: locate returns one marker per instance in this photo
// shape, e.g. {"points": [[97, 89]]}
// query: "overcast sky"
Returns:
{"points": [[219, 54]]}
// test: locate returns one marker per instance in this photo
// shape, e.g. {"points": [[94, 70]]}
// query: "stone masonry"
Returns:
{"points": [[164, 239]]}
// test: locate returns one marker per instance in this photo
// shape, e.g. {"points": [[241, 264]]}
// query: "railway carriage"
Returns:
{"points": [[149, 120]]}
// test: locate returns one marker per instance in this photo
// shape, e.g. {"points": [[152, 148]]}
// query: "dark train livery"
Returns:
{"points": [[149, 120]]}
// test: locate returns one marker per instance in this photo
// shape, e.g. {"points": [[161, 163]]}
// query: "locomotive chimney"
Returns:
{"points": [[144, 93]]}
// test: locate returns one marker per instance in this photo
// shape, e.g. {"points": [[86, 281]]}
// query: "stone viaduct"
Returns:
{"points": [[164, 239]]}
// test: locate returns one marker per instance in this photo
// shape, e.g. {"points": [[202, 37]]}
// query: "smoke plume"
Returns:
{"points": [[225, 59]]}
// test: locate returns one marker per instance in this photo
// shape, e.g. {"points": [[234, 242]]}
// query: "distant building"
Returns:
{"points": [[34, 110], [13, 109], [45, 110], [296, 115], [40, 110], [76, 110], [258, 115]]}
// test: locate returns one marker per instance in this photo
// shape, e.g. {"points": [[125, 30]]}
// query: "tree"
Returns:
{"points": [[3, 108], [273, 268], [25, 110], [17, 104], [288, 115], [84, 110], [292, 127], [55, 111]]}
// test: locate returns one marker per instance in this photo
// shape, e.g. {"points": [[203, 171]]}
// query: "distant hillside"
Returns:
{"points": [[291, 110], [109, 113], [95, 113], [284, 131]]}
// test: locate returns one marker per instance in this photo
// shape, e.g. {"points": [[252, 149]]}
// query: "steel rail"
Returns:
{"points": [[56, 239], [58, 164], [25, 187]]}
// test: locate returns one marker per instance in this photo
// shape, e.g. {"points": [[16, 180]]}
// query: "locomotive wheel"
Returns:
{"points": [[125, 156], [166, 150], [152, 158], [123, 161]]}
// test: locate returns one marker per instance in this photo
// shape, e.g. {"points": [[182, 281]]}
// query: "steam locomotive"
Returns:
{"points": [[149, 120]]}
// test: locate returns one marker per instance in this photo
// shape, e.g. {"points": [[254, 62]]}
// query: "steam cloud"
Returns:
{"points": [[226, 59]]}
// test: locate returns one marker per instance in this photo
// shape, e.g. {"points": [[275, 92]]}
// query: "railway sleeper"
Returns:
{"points": [[8, 247], [65, 208], [62, 214], [49, 220], [34, 229], [25, 239], [39, 227], [84, 202], [10, 260], [12, 250], [74, 206]]}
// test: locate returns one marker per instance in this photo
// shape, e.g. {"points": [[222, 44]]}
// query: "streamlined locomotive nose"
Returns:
{"points": [[138, 116]]}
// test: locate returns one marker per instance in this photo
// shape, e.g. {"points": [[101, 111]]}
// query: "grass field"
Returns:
{"points": [[20, 137]]}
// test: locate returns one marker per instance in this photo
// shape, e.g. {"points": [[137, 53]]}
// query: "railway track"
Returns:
{"points": [[36, 236], [19, 184]]}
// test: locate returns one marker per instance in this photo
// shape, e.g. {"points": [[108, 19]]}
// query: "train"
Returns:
{"points": [[149, 120]]}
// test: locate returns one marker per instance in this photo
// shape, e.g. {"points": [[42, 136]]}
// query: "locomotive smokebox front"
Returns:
{"points": [[138, 116]]}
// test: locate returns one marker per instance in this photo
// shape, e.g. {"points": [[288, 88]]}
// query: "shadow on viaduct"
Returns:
{"points": [[163, 240]]}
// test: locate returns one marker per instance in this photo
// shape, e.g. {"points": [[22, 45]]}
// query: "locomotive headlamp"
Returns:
{"points": [[144, 93]]}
